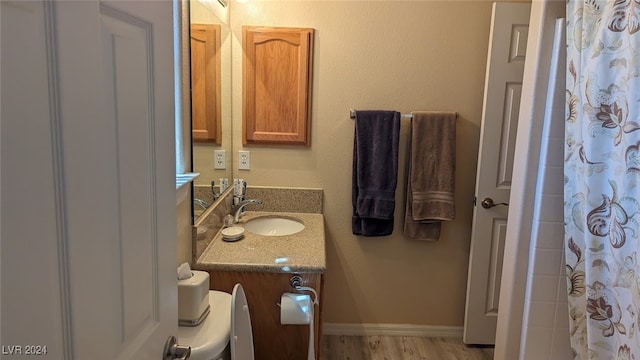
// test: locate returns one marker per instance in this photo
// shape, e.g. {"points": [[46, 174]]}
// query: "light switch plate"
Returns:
{"points": [[220, 159], [244, 160]]}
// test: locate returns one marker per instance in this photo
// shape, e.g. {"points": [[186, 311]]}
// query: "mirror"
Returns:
{"points": [[215, 68]]}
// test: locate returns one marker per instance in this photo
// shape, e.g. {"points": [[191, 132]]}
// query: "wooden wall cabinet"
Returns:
{"points": [[277, 73], [205, 83], [272, 340]]}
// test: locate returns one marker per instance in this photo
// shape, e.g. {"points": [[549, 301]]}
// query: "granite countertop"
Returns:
{"points": [[300, 252]]}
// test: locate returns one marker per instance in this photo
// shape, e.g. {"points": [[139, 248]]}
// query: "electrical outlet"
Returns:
{"points": [[220, 159], [244, 160]]}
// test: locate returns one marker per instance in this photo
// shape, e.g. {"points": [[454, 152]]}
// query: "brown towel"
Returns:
{"points": [[431, 177]]}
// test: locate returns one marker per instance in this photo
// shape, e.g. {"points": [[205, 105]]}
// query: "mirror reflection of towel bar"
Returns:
{"points": [[352, 115]]}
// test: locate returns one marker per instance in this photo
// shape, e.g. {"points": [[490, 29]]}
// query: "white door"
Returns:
{"points": [[505, 67], [88, 179]]}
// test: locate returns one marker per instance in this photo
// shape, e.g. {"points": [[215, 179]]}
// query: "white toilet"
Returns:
{"points": [[224, 334]]}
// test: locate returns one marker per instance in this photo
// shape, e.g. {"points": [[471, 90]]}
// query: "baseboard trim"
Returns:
{"points": [[391, 330]]}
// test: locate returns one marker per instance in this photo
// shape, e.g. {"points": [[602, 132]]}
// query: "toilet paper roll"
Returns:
{"points": [[297, 309]]}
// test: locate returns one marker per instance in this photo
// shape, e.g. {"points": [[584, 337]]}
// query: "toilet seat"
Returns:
{"points": [[241, 335], [211, 337]]}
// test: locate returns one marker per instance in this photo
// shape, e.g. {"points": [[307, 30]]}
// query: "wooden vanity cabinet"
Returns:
{"points": [[277, 72], [272, 340]]}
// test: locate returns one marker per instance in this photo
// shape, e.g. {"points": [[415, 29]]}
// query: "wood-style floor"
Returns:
{"points": [[400, 348]]}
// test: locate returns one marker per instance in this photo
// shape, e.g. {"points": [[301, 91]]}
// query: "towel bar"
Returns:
{"points": [[352, 115]]}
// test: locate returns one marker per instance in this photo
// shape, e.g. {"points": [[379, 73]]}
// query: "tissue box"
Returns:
{"points": [[193, 297]]}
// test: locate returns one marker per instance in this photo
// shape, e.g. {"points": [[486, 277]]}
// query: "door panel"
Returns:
{"points": [[508, 128], [498, 236], [505, 68], [129, 88]]}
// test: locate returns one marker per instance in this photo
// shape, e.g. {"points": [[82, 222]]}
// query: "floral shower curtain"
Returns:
{"points": [[602, 178]]}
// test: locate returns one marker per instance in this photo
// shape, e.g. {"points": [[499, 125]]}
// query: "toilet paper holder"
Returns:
{"points": [[295, 281]]}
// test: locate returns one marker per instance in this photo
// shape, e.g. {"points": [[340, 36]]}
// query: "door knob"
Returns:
{"points": [[174, 351], [488, 203]]}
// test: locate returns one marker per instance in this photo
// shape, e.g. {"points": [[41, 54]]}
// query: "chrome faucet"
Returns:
{"points": [[238, 208], [203, 204]]}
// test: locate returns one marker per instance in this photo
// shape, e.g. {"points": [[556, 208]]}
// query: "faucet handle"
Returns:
{"points": [[214, 195]]}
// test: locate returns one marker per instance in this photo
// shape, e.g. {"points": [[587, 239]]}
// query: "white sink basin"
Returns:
{"points": [[273, 226]]}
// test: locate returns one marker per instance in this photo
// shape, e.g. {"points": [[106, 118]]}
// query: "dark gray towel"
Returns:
{"points": [[375, 172]]}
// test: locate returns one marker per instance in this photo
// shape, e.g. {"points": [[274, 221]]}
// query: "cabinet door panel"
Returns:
{"points": [[272, 340], [277, 85], [205, 83]]}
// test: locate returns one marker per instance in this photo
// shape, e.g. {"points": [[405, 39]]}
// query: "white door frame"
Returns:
{"points": [[532, 108]]}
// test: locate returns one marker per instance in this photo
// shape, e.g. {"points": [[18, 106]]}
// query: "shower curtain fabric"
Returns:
{"points": [[602, 178]]}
